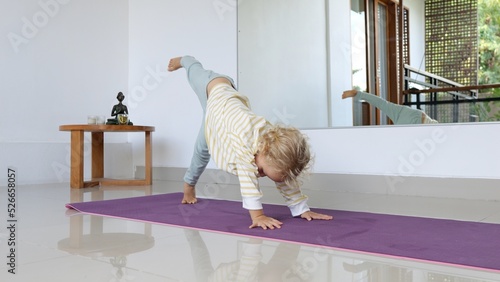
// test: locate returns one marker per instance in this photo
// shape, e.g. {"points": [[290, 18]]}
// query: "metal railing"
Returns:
{"points": [[448, 101]]}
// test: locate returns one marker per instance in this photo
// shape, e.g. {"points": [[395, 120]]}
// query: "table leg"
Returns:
{"points": [[97, 155], [148, 171], [76, 178], [76, 231]]}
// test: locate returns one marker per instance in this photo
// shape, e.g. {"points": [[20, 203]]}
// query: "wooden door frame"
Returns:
{"points": [[393, 69]]}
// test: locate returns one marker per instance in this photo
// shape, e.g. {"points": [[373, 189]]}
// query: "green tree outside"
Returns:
{"points": [[489, 53]]}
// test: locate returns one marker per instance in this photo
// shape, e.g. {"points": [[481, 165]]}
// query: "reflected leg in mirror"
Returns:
{"points": [[399, 114]]}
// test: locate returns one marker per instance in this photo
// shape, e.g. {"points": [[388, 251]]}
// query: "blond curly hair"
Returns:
{"points": [[287, 150]]}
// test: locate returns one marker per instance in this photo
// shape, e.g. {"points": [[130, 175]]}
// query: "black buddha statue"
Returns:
{"points": [[118, 109]]}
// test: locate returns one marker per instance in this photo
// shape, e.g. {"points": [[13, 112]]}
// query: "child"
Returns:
{"points": [[244, 144], [397, 113]]}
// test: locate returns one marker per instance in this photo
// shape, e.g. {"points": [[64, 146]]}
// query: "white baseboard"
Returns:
{"points": [[40, 163], [456, 188]]}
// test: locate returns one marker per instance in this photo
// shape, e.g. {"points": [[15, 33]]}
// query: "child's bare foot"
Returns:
{"points": [[174, 64], [189, 194], [349, 94]]}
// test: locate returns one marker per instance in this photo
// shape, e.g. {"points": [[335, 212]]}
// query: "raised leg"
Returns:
{"points": [[197, 76]]}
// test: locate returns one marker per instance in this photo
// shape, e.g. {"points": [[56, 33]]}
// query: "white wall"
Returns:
{"points": [[61, 61], [125, 46], [460, 151], [160, 30]]}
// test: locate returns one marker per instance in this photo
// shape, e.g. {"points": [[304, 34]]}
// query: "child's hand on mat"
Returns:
{"points": [[309, 215], [259, 219], [266, 222]]}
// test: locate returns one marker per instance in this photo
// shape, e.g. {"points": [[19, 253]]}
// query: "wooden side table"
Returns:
{"points": [[97, 131]]}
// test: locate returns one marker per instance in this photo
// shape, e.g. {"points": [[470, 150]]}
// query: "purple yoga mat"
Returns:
{"points": [[460, 243]]}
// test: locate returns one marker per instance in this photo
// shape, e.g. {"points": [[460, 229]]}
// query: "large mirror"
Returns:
{"points": [[296, 57]]}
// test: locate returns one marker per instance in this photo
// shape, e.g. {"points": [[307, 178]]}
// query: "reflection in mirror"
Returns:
{"points": [[398, 114], [420, 54], [442, 55]]}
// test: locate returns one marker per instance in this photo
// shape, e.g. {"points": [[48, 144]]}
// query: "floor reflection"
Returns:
{"points": [[249, 266], [265, 260], [112, 244]]}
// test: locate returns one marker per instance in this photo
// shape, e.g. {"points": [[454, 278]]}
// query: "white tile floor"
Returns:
{"points": [[54, 244]]}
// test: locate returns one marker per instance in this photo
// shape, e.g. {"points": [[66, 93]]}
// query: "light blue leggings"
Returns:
{"points": [[397, 113], [198, 78]]}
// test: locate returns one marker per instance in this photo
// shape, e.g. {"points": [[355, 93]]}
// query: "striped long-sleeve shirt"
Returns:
{"points": [[232, 131]]}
